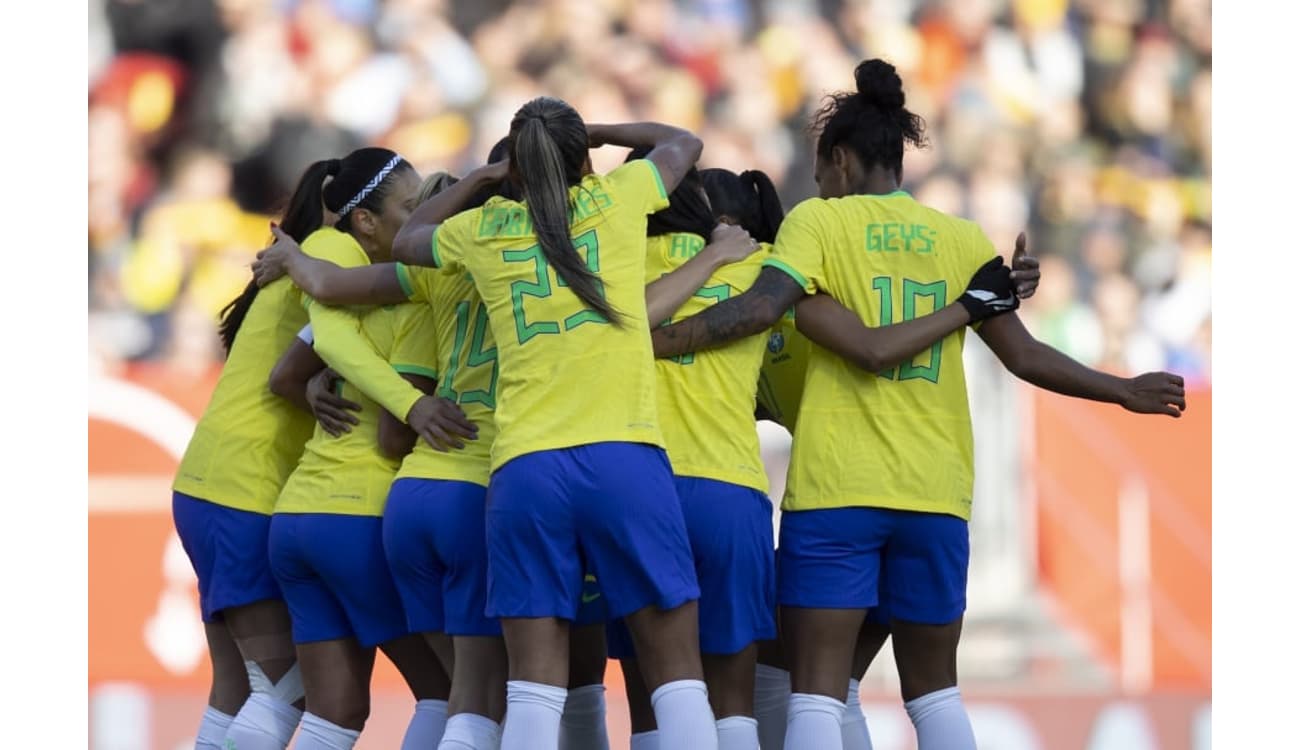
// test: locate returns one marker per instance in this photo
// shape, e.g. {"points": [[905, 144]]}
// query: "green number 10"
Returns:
{"points": [[540, 287], [912, 290]]}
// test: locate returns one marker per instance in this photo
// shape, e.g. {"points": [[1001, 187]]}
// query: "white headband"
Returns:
{"points": [[370, 186]]}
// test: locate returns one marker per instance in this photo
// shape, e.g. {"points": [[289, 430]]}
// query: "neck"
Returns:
{"points": [[371, 249], [876, 181]]}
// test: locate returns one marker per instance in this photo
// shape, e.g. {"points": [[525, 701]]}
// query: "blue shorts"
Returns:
{"points": [[846, 558], [730, 528], [591, 608], [228, 549], [608, 509], [436, 545], [335, 578]]}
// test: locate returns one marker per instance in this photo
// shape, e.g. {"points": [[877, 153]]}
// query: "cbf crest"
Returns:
{"points": [[775, 342]]}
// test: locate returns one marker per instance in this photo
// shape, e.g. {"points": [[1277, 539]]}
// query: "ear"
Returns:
{"points": [[364, 221], [843, 162]]}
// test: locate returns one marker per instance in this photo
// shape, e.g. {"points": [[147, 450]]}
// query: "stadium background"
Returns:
{"points": [[1086, 122]]}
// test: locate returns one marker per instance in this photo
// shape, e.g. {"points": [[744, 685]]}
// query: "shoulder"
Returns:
{"points": [[339, 247]]}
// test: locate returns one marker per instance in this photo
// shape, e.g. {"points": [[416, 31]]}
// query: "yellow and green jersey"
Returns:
{"points": [[900, 438], [706, 399], [339, 338], [467, 363], [349, 475], [568, 376], [248, 440]]}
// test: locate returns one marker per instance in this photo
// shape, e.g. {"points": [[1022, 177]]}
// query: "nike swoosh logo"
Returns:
{"points": [[589, 599]]}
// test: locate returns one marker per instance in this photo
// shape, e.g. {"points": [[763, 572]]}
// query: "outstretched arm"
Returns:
{"points": [[665, 295], [1039, 364], [414, 241], [673, 150], [325, 282], [755, 311], [833, 326]]}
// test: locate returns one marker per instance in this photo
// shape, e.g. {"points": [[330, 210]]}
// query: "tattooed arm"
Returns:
{"points": [[773, 292]]}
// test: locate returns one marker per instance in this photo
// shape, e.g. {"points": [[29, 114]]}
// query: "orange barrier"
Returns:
{"points": [[1124, 533]]}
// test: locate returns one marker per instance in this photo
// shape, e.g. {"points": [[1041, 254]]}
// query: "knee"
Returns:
{"points": [[344, 708]]}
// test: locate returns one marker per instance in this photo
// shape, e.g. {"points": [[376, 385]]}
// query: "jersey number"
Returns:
{"points": [[468, 352], [912, 290], [540, 287], [714, 293]]}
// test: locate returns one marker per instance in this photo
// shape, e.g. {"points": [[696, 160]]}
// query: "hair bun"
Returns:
{"points": [[879, 84], [333, 167]]}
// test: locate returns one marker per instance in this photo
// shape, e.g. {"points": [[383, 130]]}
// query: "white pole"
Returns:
{"points": [[1136, 657]]}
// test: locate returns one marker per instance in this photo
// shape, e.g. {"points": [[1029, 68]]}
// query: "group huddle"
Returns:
{"points": [[502, 428]]}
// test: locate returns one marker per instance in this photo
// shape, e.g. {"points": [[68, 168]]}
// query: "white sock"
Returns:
{"points": [[471, 732], [941, 721], [771, 701], [318, 734], [263, 723], [684, 716], [582, 726], [737, 733], [532, 716], [853, 725], [814, 723], [646, 740], [426, 725], [212, 730]]}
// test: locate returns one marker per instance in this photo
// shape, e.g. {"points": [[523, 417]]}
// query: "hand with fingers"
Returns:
{"points": [[1024, 270], [990, 291], [441, 423], [271, 262], [731, 243], [330, 408], [1156, 393]]}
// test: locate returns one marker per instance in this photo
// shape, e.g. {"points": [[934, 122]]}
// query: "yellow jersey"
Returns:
{"points": [[706, 399], [348, 474], [248, 440], [568, 376], [900, 438], [785, 363], [467, 361], [338, 334]]}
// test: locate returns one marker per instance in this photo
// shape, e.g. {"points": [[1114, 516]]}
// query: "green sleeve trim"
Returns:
{"points": [[654, 170], [404, 279], [416, 370], [781, 265], [433, 247]]}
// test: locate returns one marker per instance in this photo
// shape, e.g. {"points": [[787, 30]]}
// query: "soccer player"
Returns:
{"points": [[243, 449], [325, 540], [579, 472], [881, 475]]}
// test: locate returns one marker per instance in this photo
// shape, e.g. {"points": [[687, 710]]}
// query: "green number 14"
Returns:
{"points": [[912, 290]]}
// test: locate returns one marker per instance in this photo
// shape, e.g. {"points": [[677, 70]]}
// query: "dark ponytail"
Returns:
{"points": [[688, 205], [548, 147], [352, 177], [750, 198], [303, 216], [873, 122]]}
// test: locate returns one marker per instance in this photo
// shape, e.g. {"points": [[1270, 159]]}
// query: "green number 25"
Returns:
{"points": [[540, 287], [912, 290], [468, 352]]}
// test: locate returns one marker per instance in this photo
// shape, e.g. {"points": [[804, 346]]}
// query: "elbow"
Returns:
{"points": [[280, 383], [870, 361], [693, 145]]}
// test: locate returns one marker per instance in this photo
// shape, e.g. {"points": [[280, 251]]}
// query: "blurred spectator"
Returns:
{"points": [[1086, 123]]}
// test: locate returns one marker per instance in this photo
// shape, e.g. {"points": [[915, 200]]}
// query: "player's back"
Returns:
{"points": [[706, 398], [899, 438], [568, 376], [248, 440]]}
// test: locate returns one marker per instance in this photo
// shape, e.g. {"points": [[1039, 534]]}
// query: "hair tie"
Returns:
{"points": [[370, 186]]}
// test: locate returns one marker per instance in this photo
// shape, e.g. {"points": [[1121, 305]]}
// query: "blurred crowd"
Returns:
{"points": [[1086, 123]]}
